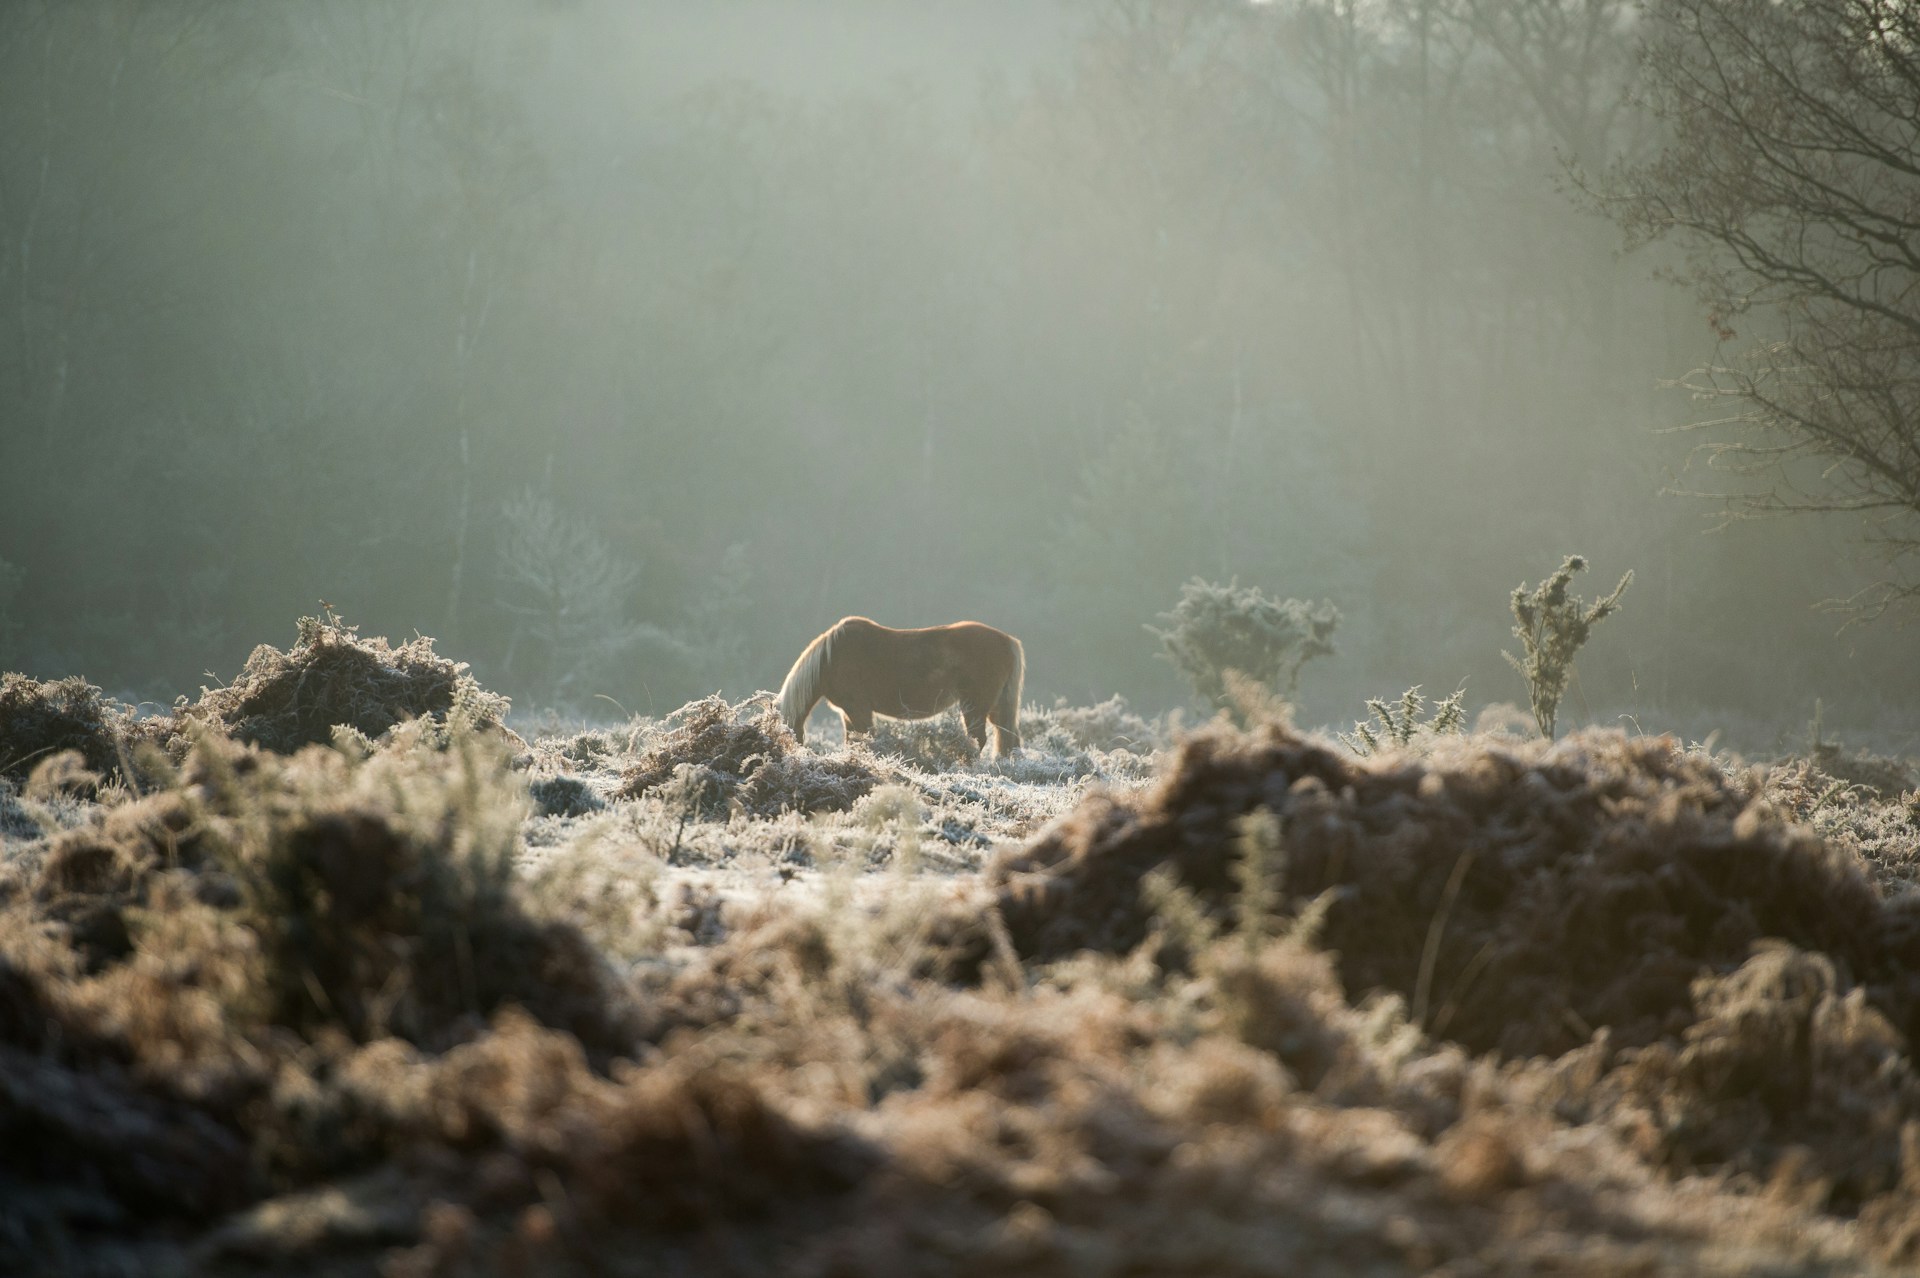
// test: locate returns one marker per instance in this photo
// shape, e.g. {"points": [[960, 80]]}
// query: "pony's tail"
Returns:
{"points": [[1005, 715], [801, 692]]}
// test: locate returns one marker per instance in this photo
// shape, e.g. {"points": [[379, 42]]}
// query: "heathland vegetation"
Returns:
{"points": [[329, 972]]}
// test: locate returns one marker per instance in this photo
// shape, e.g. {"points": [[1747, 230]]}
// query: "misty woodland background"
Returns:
{"points": [[624, 347]]}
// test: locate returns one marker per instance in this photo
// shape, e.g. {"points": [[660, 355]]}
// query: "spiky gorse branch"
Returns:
{"points": [[1260, 910], [1398, 724], [1258, 873], [1552, 625]]}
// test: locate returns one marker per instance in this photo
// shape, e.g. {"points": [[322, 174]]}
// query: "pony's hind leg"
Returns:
{"points": [[1005, 714], [1006, 732], [976, 719]]}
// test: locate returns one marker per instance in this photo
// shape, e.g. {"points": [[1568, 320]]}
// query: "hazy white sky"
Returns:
{"points": [[800, 46]]}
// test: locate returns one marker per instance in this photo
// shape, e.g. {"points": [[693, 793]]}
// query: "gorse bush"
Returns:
{"points": [[1398, 724], [1216, 629], [1552, 625]]}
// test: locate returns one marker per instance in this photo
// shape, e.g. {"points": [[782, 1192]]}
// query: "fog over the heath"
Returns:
{"points": [[623, 347]]}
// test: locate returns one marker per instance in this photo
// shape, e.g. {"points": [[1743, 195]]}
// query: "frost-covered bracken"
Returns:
{"points": [[331, 676], [1249, 1005]]}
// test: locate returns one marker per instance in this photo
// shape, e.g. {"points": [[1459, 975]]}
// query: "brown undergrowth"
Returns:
{"points": [[281, 977], [1518, 896], [1867, 806], [1742, 993], [331, 677], [717, 757], [300, 1015], [42, 718]]}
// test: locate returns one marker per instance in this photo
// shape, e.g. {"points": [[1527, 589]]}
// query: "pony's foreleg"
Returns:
{"points": [[799, 724], [855, 719]]}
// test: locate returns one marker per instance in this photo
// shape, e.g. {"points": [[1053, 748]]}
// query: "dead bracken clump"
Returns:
{"points": [[95, 877], [520, 1158], [1108, 726], [1886, 777], [194, 985], [380, 895], [667, 1148], [330, 677], [720, 756], [938, 744], [16, 821], [1721, 989], [1784, 1062], [39, 719], [1519, 898], [807, 783], [563, 795], [1876, 821]]}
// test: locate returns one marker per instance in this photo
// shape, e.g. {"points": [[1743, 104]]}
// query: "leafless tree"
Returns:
{"points": [[1790, 175]]}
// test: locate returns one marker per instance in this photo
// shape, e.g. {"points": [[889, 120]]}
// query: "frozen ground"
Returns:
{"points": [[611, 999], [929, 811]]}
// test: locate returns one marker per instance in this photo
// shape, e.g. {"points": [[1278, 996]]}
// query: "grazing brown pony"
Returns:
{"points": [[862, 668]]}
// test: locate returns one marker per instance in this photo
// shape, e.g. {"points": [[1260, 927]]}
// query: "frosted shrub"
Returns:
{"points": [[1399, 724], [1216, 629], [1551, 626]]}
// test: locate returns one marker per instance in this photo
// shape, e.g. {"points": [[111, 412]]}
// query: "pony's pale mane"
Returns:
{"points": [[802, 687]]}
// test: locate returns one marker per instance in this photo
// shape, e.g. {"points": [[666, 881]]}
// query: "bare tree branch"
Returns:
{"points": [[1790, 174]]}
